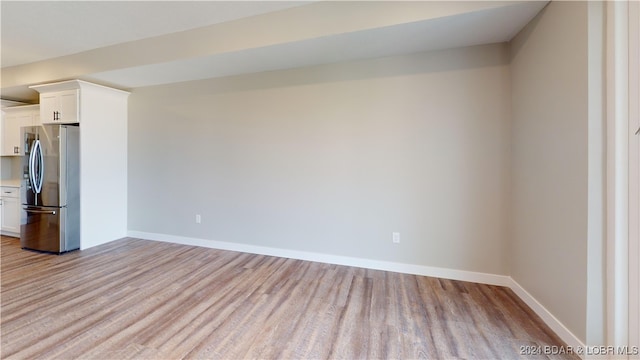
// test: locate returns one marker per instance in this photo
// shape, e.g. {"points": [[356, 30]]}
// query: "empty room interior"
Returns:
{"points": [[320, 179]]}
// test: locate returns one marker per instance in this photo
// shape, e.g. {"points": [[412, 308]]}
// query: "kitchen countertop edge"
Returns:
{"points": [[16, 183]]}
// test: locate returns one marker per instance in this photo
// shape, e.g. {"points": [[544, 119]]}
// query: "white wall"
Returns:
{"points": [[333, 159], [549, 72]]}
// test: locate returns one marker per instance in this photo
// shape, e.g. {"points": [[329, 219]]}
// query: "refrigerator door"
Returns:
{"points": [[44, 229], [70, 169], [42, 165], [51, 160], [51, 164], [29, 136]]}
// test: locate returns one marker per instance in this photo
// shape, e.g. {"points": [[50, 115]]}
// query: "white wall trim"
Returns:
{"points": [[634, 174], [462, 275], [617, 221], [565, 334]]}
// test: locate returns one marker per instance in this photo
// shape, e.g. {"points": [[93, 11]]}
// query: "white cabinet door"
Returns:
{"points": [[10, 135], [69, 108], [22, 120], [12, 122], [10, 217], [60, 107], [48, 106]]}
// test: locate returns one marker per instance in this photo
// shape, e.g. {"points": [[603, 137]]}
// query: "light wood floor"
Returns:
{"points": [[141, 299]]}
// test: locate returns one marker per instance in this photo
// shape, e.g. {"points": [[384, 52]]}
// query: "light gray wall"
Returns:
{"points": [[334, 158], [549, 71]]}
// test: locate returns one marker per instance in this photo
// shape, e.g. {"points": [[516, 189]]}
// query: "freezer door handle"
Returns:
{"points": [[51, 212]]}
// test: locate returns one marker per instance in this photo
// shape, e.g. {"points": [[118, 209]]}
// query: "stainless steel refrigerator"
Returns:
{"points": [[51, 204]]}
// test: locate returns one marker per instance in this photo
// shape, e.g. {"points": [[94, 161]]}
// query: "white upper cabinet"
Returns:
{"points": [[60, 107], [13, 119]]}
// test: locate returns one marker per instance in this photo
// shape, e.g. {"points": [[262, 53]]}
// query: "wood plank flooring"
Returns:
{"points": [[137, 299]]}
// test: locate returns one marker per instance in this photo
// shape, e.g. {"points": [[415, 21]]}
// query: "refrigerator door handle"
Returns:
{"points": [[40, 166], [51, 212], [36, 170], [32, 156]]}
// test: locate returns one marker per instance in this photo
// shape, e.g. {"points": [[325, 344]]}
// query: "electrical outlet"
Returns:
{"points": [[396, 237], [198, 219]]}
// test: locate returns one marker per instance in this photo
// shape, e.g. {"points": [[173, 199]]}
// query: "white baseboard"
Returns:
{"points": [[9, 233], [462, 275], [565, 334]]}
